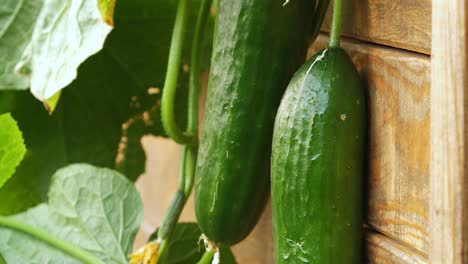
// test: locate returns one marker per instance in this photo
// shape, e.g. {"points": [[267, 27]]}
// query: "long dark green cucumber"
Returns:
{"points": [[317, 163], [258, 45]]}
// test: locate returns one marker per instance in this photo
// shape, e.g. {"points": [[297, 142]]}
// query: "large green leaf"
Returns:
{"points": [[96, 209], [185, 246], [17, 20], [103, 114], [12, 147], [42, 42]]}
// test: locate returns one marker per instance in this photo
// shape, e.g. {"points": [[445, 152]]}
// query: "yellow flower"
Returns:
{"points": [[148, 254]]}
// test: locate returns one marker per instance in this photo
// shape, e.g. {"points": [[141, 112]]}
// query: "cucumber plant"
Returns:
{"points": [[317, 160], [124, 69], [98, 106], [189, 137]]}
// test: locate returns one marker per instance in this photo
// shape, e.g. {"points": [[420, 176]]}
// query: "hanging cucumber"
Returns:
{"points": [[258, 45], [317, 160]]}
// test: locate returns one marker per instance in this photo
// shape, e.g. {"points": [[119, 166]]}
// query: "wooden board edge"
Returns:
{"points": [[384, 43], [381, 249], [368, 21], [350, 43], [449, 120]]}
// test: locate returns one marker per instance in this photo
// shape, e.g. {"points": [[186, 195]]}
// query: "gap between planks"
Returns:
{"points": [[398, 23], [357, 41], [381, 249]]}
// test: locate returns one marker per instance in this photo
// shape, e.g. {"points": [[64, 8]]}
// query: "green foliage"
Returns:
{"points": [[46, 41], [186, 247], [96, 209], [112, 99], [102, 115], [15, 41], [12, 147]]}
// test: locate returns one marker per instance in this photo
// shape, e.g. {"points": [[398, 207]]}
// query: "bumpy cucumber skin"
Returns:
{"points": [[258, 45], [317, 163]]}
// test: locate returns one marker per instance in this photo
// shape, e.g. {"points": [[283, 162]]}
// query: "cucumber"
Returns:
{"points": [[317, 163], [257, 47]]}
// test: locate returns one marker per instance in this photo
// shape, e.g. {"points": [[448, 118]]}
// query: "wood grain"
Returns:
{"points": [[398, 23], [381, 249], [449, 109], [398, 84]]}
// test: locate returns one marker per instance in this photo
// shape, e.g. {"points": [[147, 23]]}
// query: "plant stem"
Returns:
{"points": [[189, 152], [207, 257], [190, 169], [172, 215], [46, 237], [182, 165], [172, 74], [188, 161], [175, 209], [163, 247], [194, 78], [336, 24]]}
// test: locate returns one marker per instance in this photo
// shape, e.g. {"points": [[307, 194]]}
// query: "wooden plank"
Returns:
{"points": [[398, 23], [449, 177], [381, 249], [398, 84]]}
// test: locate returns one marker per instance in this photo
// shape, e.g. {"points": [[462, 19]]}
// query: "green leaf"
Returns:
{"points": [[16, 28], [52, 102], [226, 256], [12, 147], [45, 42], [185, 246], [103, 114], [96, 209], [107, 10], [45, 152]]}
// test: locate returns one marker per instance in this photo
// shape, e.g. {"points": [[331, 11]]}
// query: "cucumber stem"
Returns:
{"points": [[182, 165], [194, 77], [172, 74], [163, 247], [172, 215], [336, 24], [189, 152], [186, 179], [175, 208], [207, 257], [190, 169], [53, 241]]}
